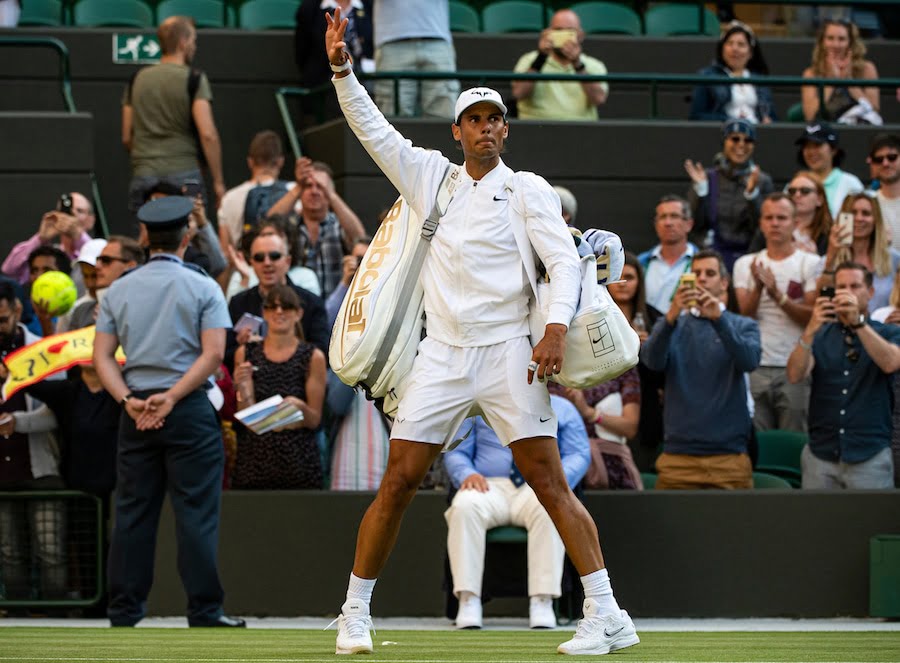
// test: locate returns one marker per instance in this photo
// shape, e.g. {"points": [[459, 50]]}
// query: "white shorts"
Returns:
{"points": [[449, 383]]}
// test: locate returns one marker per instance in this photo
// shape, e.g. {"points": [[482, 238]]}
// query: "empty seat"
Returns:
{"points": [[126, 13], [268, 14], [514, 16], [607, 18], [206, 13], [764, 480], [41, 12], [463, 18], [664, 20]]}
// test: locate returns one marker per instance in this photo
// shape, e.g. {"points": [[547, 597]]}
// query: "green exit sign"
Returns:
{"points": [[135, 48]]}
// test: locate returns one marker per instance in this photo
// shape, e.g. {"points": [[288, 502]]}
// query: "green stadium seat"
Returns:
{"points": [[124, 13], [765, 481], [463, 18], [667, 20], [779, 454], [507, 534], [268, 14], [41, 12], [795, 113], [206, 13], [649, 480], [514, 16], [607, 18]]}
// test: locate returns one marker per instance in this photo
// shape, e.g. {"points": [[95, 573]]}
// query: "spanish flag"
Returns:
{"points": [[49, 356]]}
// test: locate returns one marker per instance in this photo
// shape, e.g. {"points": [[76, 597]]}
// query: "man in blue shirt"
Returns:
{"points": [[852, 360], [705, 353], [664, 264], [492, 493]]}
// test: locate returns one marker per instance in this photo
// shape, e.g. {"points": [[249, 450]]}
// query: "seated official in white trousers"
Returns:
{"points": [[492, 493]]}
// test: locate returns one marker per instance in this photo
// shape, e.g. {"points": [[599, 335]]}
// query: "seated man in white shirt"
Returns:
{"points": [[492, 493]]}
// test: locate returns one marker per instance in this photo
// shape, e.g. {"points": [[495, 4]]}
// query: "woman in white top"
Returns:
{"points": [[738, 55]]}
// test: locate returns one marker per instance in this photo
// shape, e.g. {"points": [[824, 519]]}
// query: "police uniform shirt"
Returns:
{"points": [[158, 312]]}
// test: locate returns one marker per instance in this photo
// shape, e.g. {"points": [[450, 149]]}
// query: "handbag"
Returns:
{"points": [[600, 343]]}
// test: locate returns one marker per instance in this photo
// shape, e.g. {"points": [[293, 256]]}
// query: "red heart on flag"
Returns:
{"points": [[56, 348]]}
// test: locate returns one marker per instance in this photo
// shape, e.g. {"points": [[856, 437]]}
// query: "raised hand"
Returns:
{"points": [[695, 171], [335, 46]]}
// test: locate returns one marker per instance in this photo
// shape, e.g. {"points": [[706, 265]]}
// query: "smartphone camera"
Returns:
{"points": [[191, 188], [828, 291], [65, 204]]}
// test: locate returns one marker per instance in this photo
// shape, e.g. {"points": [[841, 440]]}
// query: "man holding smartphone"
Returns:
{"points": [[850, 360], [559, 52]]}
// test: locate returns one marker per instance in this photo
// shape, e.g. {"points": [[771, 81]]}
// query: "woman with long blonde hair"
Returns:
{"points": [[867, 244], [839, 53], [813, 217]]}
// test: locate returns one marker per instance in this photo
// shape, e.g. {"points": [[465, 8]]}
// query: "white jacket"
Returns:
{"points": [[476, 289]]}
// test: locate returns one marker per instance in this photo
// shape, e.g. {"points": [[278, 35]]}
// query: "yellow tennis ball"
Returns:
{"points": [[56, 290]]}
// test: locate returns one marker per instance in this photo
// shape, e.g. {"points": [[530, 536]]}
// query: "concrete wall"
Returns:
{"points": [[670, 554]]}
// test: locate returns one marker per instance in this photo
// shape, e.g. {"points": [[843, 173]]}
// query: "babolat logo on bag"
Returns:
{"points": [[378, 251]]}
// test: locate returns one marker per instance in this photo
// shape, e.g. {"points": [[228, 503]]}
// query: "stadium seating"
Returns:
{"points": [[206, 13], [41, 13], [765, 481], [667, 20], [125, 13], [514, 16], [463, 18], [607, 18], [779, 454], [268, 14]]}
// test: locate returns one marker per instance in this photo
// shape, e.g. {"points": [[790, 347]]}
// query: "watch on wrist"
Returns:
{"points": [[125, 399], [579, 66], [860, 322]]}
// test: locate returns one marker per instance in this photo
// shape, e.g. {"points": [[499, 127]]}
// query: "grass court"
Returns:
{"points": [[157, 645]]}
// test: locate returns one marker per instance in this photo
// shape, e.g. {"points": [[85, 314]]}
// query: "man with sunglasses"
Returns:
{"points": [[884, 157], [271, 261], [851, 360], [725, 199]]}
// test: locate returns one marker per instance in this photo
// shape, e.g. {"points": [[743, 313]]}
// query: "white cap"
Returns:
{"points": [[90, 251], [475, 95]]}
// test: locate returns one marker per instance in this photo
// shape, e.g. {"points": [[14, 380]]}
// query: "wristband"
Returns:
{"points": [[579, 67], [783, 300], [538, 63], [338, 68], [125, 398], [599, 420], [804, 345]]}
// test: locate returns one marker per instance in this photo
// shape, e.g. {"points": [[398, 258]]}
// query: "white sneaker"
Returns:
{"points": [[540, 612], [354, 624], [469, 615], [600, 634]]}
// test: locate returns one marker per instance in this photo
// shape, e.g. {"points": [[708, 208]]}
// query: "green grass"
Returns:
{"points": [[46, 645]]}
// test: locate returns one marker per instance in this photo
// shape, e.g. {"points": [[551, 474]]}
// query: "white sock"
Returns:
{"points": [[361, 588], [597, 587], [468, 596]]}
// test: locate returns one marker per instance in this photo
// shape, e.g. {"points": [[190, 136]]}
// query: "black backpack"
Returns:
{"points": [[260, 200]]}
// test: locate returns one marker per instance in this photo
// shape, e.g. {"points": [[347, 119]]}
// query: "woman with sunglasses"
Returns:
{"points": [[725, 199], [811, 206], [282, 364], [738, 55], [867, 244], [840, 53]]}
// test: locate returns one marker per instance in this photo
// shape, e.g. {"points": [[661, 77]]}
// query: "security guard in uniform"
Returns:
{"points": [[170, 319]]}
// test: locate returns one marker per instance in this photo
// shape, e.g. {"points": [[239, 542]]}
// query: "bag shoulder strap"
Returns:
{"points": [[513, 186]]}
